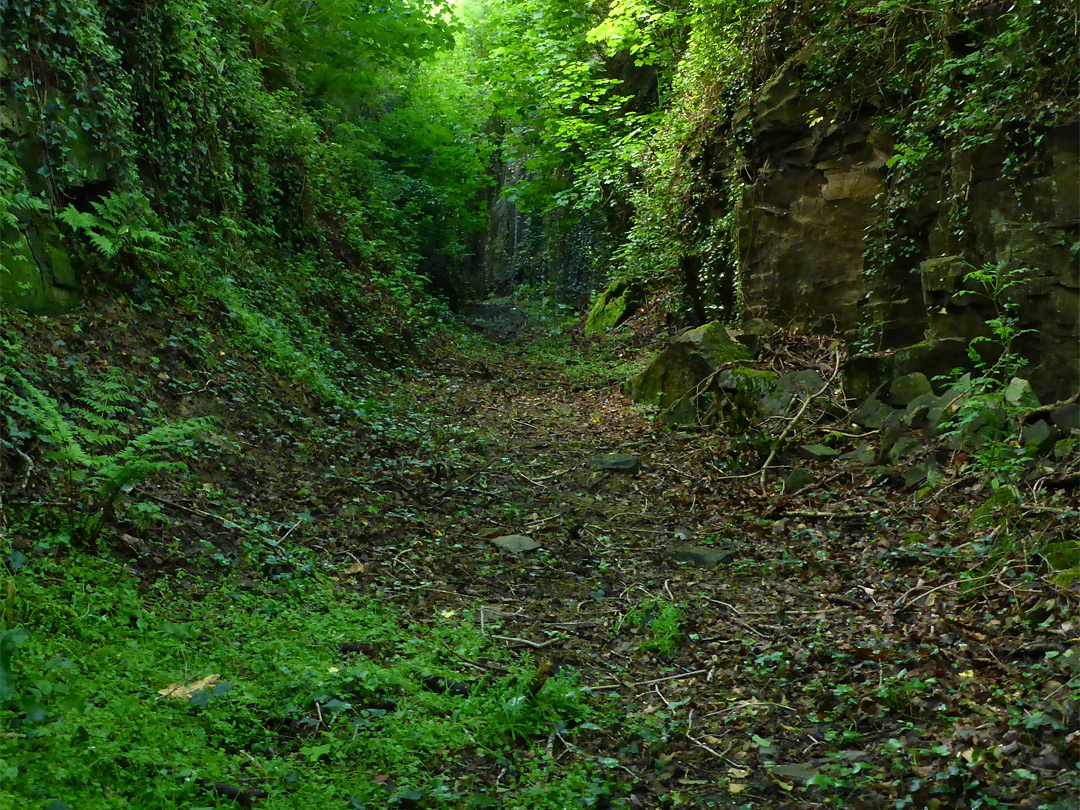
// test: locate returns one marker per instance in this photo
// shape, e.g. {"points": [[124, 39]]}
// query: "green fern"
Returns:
{"points": [[122, 223], [89, 441]]}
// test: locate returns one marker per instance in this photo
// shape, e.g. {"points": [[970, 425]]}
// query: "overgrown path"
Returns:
{"points": [[850, 645], [453, 604]]}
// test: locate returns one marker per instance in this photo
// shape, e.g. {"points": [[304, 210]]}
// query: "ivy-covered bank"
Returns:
{"points": [[840, 163], [257, 155]]}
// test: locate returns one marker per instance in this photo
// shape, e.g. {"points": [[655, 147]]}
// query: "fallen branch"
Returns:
{"points": [[226, 522], [1046, 410], [675, 677], [903, 604], [536, 645], [795, 420]]}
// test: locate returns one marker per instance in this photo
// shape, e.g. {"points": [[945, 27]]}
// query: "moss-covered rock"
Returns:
{"points": [[36, 274], [680, 368], [614, 306], [866, 374]]}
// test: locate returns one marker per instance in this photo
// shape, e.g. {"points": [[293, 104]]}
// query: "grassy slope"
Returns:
{"points": [[243, 565]]}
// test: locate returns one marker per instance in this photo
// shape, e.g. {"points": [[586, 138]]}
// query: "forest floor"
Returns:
{"points": [[675, 636]]}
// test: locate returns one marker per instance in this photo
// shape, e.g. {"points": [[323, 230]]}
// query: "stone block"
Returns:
{"points": [[908, 387], [614, 306]]}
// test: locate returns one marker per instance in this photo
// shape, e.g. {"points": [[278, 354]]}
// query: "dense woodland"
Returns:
{"points": [[540, 404]]}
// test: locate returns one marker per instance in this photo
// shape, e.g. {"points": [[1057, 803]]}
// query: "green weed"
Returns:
{"points": [[663, 621], [319, 697]]}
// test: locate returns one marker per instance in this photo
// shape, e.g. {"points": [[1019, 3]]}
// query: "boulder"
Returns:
{"points": [[902, 447], [872, 413], [863, 455], [865, 373], [1067, 417], [926, 411], [1038, 437], [1019, 394], [733, 396], [792, 385], [1064, 449], [908, 387], [681, 367]]}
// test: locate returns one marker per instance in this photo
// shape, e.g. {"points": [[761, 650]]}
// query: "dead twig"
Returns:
{"points": [[459, 484], [676, 677], [226, 522], [903, 603], [536, 645]]}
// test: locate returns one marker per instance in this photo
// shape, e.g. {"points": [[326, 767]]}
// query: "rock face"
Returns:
{"points": [[816, 196], [801, 222], [38, 274]]}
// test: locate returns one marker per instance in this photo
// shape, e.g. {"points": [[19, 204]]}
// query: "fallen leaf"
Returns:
{"points": [[352, 570], [177, 691]]}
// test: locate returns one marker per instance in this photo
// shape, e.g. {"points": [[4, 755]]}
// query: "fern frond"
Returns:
{"points": [[108, 248], [25, 399], [141, 457], [79, 220]]}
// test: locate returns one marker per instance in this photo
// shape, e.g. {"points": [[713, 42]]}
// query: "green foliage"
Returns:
{"points": [[122, 223], [995, 281], [242, 137], [95, 453], [663, 621], [987, 410], [309, 724]]}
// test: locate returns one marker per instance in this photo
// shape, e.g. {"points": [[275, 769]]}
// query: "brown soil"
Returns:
{"points": [[855, 625]]}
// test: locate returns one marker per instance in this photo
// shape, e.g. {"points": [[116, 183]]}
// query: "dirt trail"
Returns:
{"points": [[894, 650], [849, 636]]}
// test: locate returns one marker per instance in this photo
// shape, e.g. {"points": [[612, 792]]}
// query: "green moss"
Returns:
{"points": [[683, 365], [614, 306], [36, 274]]}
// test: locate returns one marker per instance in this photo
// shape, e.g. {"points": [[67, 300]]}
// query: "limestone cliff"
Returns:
{"points": [[843, 225]]}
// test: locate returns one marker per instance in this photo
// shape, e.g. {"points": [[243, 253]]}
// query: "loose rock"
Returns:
{"points": [[818, 452], [617, 462], [704, 557], [798, 479], [516, 543], [872, 413]]}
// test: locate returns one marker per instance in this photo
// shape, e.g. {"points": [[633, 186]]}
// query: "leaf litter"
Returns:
{"points": [[858, 643]]}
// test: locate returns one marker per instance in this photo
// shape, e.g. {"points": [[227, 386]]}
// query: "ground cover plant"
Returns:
{"points": [[164, 691], [865, 643]]}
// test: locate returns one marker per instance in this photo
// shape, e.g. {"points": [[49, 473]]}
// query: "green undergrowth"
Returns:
{"points": [[609, 361], [320, 697]]}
